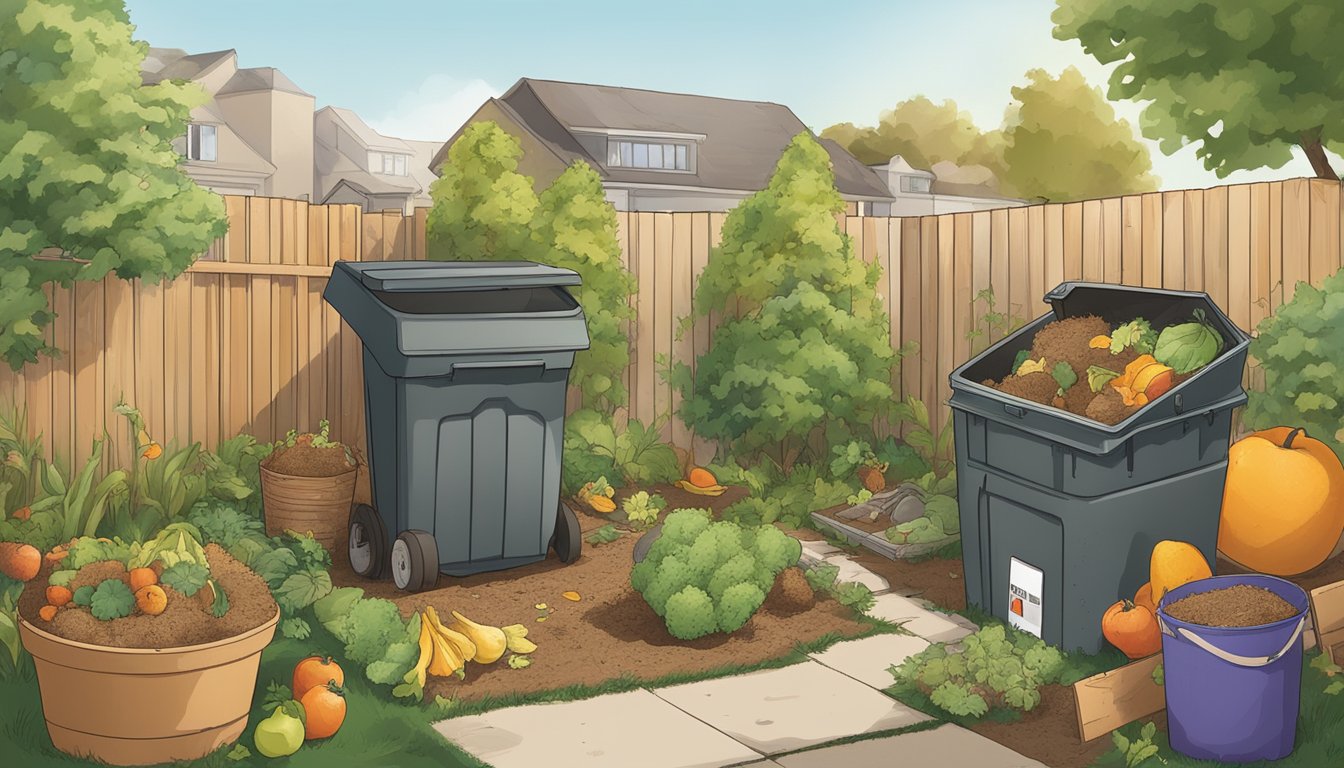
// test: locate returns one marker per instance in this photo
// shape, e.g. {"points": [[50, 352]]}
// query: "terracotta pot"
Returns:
{"points": [[317, 504], [139, 706], [872, 479]]}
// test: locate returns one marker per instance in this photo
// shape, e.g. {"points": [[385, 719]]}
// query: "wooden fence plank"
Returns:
{"points": [[1111, 211], [237, 238], [645, 332], [1193, 239], [1153, 274], [683, 342], [36, 379], [962, 279], [893, 274], [1036, 260], [1239, 255], [1260, 254], [1275, 247], [1215, 245], [999, 265], [150, 374], [913, 290], [1296, 236], [1052, 234], [947, 312], [61, 437], [261, 415], [1131, 240], [1092, 234], [1324, 197], [284, 402], [318, 223], [1073, 241], [258, 230], [1021, 301], [1173, 240], [236, 317], [1111, 699], [120, 364], [930, 306], [180, 375], [980, 281]]}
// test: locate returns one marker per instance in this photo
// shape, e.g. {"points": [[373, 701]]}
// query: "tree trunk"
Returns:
{"points": [[1311, 145]]}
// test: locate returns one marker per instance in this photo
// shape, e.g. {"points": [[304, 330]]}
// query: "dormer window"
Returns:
{"points": [[387, 163], [644, 154], [916, 184]]}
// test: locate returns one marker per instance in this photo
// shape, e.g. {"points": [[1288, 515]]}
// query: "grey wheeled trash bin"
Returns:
{"points": [[1059, 513], [465, 370]]}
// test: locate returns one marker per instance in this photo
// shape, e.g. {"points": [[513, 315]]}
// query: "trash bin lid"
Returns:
{"points": [[462, 276]]}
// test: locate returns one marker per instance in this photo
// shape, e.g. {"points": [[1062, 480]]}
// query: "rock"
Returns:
{"points": [[645, 542], [907, 509]]}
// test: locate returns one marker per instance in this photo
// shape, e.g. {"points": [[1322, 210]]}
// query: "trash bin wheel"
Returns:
{"points": [[415, 561], [368, 543], [568, 538]]}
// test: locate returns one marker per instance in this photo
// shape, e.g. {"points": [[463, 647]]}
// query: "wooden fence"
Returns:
{"points": [[243, 341]]}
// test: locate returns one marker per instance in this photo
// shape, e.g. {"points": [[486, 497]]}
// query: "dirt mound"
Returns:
{"points": [[185, 621], [792, 594], [305, 460], [1239, 606], [1039, 387], [1066, 341]]}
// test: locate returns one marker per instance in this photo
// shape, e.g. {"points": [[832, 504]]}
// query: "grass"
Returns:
{"points": [[1320, 740], [378, 729]]}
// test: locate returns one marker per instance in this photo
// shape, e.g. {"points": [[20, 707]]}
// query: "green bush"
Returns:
{"points": [[804, 345], [997, 668], [903, 462], [704, 577], [594, 449], [790, 500], [1298, 348]]}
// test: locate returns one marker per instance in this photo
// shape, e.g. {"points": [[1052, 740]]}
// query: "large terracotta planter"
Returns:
{"points": [[139, 706], [317, 504]]}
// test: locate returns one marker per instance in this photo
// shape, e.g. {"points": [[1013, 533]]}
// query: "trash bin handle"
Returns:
{"points": [[495, 365], [1232, 658]]}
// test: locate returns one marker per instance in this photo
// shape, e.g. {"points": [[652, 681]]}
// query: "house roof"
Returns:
{"points": [[260, 79], [739, 142], [365, 135], [175, 64]]}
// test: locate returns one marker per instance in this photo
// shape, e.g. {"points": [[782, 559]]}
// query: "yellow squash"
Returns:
{"points": [[490, 641]]}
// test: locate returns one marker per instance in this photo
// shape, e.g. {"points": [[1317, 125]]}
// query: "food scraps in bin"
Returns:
{"points": [[1083, 366]]}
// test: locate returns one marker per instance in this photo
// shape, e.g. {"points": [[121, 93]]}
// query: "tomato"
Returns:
{"points": [[314, 671], [324, 708]]}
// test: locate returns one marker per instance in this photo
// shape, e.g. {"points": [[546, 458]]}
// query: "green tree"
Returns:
{"points": [[921, 131], [482, 207], [1245, 80], [1062, 141], [804, 344], [576, 228], [89, 179]]}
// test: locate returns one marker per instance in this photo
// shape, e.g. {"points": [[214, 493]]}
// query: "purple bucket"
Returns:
{"points": [[1232, 692]]}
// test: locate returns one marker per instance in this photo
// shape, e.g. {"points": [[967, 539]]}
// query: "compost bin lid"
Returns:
{"points": [[425, 276]]}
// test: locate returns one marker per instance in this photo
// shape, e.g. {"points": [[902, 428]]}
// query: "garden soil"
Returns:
{"points": [[1239, 606], [610, 632], [186, 621]]}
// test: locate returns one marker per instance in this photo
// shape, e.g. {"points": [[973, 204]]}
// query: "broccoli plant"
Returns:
{"points": [[704, 577], [994, 669]]}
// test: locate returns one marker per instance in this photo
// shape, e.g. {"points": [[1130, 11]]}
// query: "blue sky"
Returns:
{"points": [[416, 69]]}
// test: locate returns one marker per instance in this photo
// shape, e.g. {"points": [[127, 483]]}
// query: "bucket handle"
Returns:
{"points": [[1232, 658]]}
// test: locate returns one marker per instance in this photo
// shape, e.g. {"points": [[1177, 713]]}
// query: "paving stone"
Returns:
{"points": [[782, 710], [867, 660], [852, 571], [947, 745], [930, 625], [759, 764], [817, 551], [613, 731]]}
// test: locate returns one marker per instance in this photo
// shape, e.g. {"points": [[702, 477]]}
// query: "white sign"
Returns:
{"points": [[1024, 597]]}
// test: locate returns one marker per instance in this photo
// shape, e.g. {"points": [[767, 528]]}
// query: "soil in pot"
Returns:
{"points": [[1239, 606], [304, 459], [185, 621]]}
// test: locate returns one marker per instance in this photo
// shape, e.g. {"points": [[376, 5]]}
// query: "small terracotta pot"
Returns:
{"points": [[140, 706], [872, 478], [317, 504]]}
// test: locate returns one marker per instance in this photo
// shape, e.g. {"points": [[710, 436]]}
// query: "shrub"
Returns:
{"points": [[593, 448], [995, 669], [704, 577], [1298, 349], [804, 344], [791, 500]]}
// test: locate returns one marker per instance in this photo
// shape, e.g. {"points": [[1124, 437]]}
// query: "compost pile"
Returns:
{"points": [[102, 602], [1239, 606], [1087, 367], [312, 454]]}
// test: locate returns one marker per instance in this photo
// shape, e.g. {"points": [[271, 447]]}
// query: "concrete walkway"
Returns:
{"points": [[792, 717]]}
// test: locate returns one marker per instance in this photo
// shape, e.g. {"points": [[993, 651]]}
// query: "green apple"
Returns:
{"points": [[279, 735]]}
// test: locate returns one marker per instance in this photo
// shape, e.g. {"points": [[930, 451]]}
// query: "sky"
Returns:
{"points": [[417, 69]]}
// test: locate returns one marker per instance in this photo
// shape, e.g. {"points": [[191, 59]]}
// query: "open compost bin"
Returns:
{"points": [[1060, 512]]}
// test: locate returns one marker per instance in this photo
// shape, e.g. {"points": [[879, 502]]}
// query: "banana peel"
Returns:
{"points": [[516, 637], [426, 641], [462, 645], [708, 490]]}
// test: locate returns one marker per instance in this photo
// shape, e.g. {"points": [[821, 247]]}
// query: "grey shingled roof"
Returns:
{"points": [[743, 139], [260, 79]]}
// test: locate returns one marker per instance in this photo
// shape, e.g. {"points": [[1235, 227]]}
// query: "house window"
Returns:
{"points": [[916, 184], [202, 142], [657, 156], [387, 164]]}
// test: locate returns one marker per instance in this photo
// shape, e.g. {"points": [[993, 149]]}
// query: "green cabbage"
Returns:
{"points": [[1189, 346]]}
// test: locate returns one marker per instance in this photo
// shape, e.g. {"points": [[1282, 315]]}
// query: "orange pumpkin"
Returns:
{"points": [[1144, 597], [1132, 628], [1283, 502], [1143, 381], [701, 478]]}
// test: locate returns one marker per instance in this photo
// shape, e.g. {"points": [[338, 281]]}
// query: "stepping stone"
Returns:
{"points": [[867, 660], [817, 551], [948, 745], [614, 731], [852, 571], [782, 710], [759, 764], [930, 625]]}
